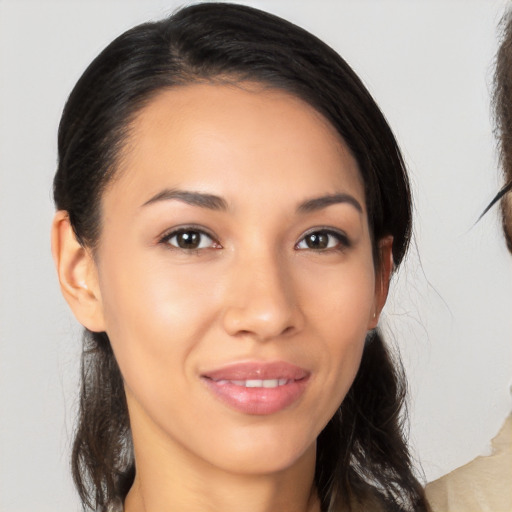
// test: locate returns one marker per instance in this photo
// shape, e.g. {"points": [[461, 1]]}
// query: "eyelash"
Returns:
{"points": [[342, 242]]}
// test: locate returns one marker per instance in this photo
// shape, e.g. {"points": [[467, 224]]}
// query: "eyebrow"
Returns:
{"points": [[213, 202], [318, 203], [200, 199]]}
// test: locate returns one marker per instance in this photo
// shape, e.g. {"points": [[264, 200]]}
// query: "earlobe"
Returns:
{"points": [[382, 277], [77, 274]]}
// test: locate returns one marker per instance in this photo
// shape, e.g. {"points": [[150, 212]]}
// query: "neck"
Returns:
{"points": [[225, 493], [169, 478]]}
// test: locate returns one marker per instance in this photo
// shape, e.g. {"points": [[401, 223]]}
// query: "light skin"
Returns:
{"points": [[281, 270]]}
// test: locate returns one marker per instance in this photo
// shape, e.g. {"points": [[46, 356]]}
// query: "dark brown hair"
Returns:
{"points": [[362, 458], [503, 114]]}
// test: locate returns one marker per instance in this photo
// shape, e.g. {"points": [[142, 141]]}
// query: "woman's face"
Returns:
{"points": [[235, 275]]}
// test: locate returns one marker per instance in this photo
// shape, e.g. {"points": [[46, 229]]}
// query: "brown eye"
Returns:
{"points": [[323, 239], [189, 239], [317, 240]]}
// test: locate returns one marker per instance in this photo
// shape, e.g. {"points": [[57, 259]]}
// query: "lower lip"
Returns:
{"points": [[258, 401]]}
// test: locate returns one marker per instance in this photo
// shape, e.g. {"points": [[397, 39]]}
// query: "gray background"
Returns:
{"points": [[428, 64]]}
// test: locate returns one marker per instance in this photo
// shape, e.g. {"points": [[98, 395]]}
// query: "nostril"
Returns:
{"points": [[241, 333]]}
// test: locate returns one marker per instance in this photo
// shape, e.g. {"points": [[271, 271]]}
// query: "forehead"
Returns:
{"points": [[238, 135]]}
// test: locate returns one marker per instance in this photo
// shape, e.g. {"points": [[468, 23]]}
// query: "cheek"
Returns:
{"points": [[351, 314], [155, 316], [340, 301], [340, 311]]}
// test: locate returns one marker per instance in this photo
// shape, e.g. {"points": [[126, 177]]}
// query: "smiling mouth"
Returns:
{"points": [[257, 388]]}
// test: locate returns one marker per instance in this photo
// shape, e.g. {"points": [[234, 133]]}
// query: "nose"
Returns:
{"points": [[261, 300]]}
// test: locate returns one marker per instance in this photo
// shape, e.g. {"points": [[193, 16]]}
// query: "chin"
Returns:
{"points": [[262, 453]]}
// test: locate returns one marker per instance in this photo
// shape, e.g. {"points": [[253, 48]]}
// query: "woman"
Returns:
{"points": [[231, 205]]}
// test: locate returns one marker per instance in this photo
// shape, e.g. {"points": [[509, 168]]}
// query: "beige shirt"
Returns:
{"points": [[482, 485]]}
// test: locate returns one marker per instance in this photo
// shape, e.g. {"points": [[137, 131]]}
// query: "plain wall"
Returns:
{"points": [[428, 65]]}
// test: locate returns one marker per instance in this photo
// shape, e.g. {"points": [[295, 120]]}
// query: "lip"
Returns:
{"points": [[285, 384]]}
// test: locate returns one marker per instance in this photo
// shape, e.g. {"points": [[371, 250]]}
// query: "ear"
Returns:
{"points": [[382, 277], [77, 274]]}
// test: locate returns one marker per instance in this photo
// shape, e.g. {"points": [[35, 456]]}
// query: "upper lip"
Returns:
{"points": [[257, 370]]}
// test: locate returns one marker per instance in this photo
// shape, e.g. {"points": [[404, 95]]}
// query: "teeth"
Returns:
{"points": [[256, 383]]}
